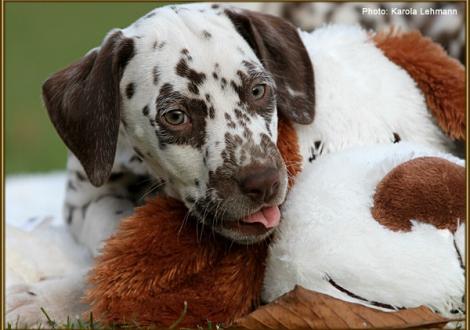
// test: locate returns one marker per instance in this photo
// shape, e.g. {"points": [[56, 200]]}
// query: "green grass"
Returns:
{"points": [[41, 38], [91, 324]]}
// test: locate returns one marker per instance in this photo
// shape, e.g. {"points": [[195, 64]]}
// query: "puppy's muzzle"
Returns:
{"points": [[260, 183]]}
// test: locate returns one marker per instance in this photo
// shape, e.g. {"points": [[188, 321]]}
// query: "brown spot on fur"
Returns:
{"points": [[242, 116], [70, 210], [156, 75], [139, 153], [193, 88], [230, 122], [211, 112], [183, 70], [130, 90], [247, 134], [440, 77], [71, 186], [146, 110], [396, 138], [425, 189], [223, 83], [206, 34], [81, 176]]}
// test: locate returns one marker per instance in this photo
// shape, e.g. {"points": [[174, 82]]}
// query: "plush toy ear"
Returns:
{"points": [[83, 102], [440, 77], [277, 44]]}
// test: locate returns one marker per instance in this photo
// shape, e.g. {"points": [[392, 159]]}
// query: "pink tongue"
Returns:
{"points": [[268, 216]]}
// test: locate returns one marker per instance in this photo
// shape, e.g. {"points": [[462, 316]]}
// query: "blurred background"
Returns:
{"points": [[41, 38]]}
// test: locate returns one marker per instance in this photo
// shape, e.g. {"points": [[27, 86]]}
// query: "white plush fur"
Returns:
{"points": [[327, 231], [361, 96]]}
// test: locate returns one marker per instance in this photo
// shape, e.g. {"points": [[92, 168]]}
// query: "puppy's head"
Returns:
{"points": [[196, 89]]}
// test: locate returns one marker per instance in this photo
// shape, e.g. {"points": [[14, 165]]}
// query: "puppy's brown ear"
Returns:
{"points": [[83, 102], [277, 44]]}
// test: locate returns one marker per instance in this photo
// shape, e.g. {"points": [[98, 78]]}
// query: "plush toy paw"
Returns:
{"points": [[27, 304]]}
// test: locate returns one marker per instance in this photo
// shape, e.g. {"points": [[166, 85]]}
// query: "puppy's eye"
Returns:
{"points": [[176, 117], [258, 91]]}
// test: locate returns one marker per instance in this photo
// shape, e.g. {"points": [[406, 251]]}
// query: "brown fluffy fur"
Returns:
{"points": [[440, 77], [154, 263], [427, 189]]}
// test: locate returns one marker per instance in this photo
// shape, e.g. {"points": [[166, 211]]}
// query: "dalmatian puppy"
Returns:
{"points": [[185, 102], [152, 108]]}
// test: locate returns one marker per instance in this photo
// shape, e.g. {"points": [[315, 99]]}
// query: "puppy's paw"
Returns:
{"points": [[27, 304]]}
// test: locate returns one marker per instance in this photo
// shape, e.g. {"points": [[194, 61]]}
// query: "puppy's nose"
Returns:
{"points": [[259, 183]]}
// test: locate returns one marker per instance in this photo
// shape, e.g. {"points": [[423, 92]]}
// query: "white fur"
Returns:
{"points": [[361, 96], [327, 230]]}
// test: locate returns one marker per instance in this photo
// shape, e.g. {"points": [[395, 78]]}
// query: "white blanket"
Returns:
{"points": [[38, 246]]}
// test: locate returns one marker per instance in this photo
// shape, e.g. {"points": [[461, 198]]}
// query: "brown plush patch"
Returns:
{"points": [[288, 146], [426, 189], [154, 263], [440, 77]]}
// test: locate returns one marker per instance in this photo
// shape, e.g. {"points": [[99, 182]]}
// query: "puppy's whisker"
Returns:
{"points": [[186, 217], [151, 190]]}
